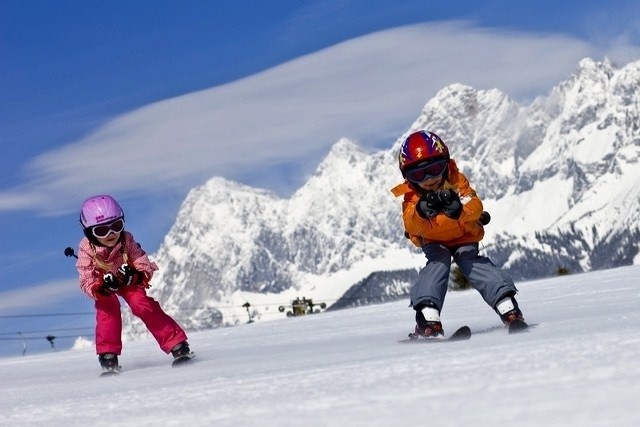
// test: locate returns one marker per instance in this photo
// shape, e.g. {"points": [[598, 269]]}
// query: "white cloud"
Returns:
{"points": [[37, 296], [367, 89]]}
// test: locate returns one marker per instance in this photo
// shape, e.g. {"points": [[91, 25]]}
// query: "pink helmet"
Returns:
{"points": [[99, 209]]}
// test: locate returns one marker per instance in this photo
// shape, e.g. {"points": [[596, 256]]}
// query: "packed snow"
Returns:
{"points": [[577, 367]]}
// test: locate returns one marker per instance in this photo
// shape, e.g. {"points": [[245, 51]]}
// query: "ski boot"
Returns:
{"points": [[428, 323], [430, 330], [510, 314], [109, 364], [181, 353]]}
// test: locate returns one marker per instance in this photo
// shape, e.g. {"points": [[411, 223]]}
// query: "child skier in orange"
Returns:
{"points": [[441, 215], [111, 264]]}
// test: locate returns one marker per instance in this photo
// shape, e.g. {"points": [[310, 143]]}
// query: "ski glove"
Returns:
{"points": [[429, 205], [451, 205], [128, 276], [109, 284]]}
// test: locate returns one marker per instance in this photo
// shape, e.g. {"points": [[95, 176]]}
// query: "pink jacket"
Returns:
{"points": [[92, 270]]}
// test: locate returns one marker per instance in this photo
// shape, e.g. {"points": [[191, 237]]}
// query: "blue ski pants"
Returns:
{"points": [[491, 282]]}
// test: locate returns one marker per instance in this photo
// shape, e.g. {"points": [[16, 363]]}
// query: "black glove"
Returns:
{"points": [[109, 284], [451, 205], [128, 275], [429, 205]]}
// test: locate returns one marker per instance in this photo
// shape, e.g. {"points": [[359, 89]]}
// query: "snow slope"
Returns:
{"points": [[577, 367]]}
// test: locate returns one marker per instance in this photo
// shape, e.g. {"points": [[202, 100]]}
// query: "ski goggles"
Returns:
{"points": [[102, 231], [426, 171]]}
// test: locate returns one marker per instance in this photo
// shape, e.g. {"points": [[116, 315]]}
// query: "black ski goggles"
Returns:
{"points": [[422, 172], [103, 230]]}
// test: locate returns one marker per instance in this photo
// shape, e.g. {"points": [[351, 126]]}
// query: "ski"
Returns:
{"points": [[110, 372], [179, 361], [463, 333], [182, 360], [517, 326]]}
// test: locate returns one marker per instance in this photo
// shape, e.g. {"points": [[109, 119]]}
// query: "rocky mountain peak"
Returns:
{"points": [[559, 177]]}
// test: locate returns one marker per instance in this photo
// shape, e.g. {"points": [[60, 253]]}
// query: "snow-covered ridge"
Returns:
{"points": [[560, 178]]}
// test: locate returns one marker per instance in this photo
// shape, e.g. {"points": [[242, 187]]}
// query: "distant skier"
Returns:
{"points": [[441, 214], [111, 264]]}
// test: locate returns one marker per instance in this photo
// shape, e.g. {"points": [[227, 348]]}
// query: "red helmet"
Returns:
{"points": [[421, 147]]}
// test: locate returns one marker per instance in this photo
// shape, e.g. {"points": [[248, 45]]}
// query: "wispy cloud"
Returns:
{"points": [[368, 89], [37, 296]]}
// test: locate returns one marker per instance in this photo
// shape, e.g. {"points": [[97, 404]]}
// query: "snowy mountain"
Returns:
{"points": [[559, 176], [231, 243], [577, 367]]}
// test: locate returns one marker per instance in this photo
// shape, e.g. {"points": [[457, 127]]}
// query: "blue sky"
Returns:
{"points": [[147, 99]]}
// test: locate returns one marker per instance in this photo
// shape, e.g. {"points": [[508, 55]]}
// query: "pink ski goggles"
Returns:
{"points": [[103, 230]]}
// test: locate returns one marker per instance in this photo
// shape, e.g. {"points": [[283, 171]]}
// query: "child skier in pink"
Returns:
{"points": [[111, 264]]}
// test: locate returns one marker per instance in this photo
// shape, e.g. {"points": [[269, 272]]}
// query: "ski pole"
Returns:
{"points": [[485, 218], [68, 252]]}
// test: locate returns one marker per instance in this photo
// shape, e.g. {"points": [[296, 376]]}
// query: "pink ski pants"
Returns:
{"points": [[109, 321]]}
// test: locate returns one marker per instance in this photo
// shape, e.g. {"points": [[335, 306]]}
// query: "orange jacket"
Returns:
{"points": [[442, 229]]}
